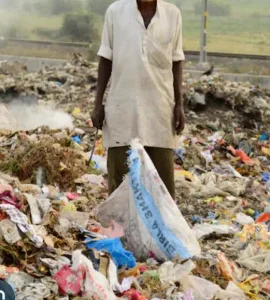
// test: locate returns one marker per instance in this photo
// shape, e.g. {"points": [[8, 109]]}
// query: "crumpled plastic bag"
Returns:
{"points": [[152, 221], [83, 279], [171, 273], [203, 289], [233, 185], [69, 281], [255, 259], [243, 219], [235, 188], [100, 163], [202, 230], [120, 256], [95, 284], [124, 286]]}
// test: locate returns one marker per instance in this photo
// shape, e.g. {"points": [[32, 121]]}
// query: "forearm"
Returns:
{"points": [[104, 74], [177, 82]]}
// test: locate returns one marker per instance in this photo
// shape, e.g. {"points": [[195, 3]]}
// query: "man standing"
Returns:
{"points": [[141, 51]]}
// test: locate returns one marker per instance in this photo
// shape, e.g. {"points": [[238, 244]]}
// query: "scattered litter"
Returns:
{"points": [[212, 242]]}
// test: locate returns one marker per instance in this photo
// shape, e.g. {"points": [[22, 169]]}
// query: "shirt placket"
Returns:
{"points": [[146, 31]]}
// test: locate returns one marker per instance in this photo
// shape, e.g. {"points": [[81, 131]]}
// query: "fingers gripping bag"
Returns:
{"points": [[153, 224]]}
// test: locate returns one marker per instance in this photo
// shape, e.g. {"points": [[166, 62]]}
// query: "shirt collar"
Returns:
{"points": [[139, 16]]}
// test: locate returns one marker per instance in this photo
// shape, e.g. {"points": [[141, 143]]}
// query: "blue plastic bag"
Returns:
{"points": [[76, 139], [120, 256], [266, 176], [264, 137]]}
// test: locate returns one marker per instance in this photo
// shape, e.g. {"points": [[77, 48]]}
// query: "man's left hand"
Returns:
{"points": [[179, 119]]}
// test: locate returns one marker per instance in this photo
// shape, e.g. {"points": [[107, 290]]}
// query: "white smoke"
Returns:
{"points": [[21, 115]]}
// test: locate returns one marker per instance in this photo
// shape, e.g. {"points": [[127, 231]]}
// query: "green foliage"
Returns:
{"points": [[215, 8], [80, 27], [99, 6]]}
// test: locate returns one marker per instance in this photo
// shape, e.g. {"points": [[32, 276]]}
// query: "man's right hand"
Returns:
{"points": [[98, 116]]}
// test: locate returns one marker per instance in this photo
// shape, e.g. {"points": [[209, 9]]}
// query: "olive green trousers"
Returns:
{"points": [[118, 168]]}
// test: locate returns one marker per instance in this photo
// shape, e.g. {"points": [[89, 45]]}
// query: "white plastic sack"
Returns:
{"points": [[203, 289], [95, 283], [143, 206]]}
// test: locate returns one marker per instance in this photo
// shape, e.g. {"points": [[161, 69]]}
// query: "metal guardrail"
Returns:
{"points": [[47, 43], [231, 55], [188, 52]]}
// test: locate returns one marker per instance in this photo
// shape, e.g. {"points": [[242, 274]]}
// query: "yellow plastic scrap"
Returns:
{"points": [[70, 207], [255, 232], [99, 150], [188, 175], [62, 166], [250, 287], [266, 151], [76, 111], [215, 200]]}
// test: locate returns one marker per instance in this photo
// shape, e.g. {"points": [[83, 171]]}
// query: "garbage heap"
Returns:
{"points": [[52, 245]]}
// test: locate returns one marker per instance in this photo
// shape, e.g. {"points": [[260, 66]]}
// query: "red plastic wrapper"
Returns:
{"points": [[242, 155], [266, 286], [72, 196], [134, 295], [70, 282], [7, 197], [265, 217]]}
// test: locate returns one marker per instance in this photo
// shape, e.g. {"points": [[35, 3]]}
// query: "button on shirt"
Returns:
{"points": [[140, 103]]}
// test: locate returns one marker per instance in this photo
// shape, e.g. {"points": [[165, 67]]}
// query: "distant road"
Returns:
{"points": [[84, 46]]}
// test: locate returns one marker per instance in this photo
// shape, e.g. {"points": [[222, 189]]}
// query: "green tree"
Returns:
{"points": [[80, 27]]}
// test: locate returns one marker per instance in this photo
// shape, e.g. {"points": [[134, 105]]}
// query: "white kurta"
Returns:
{"points": [[141, 98]]}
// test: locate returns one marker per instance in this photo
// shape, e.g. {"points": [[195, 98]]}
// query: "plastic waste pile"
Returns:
{"points": [[63, 237]]}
